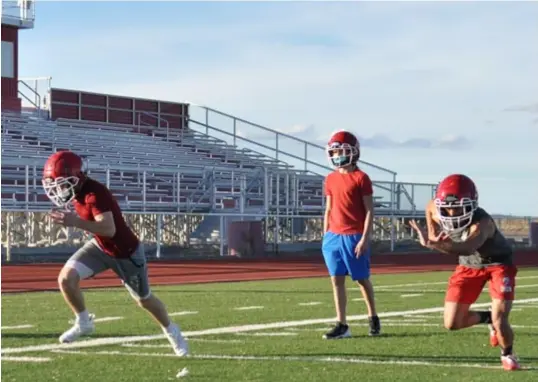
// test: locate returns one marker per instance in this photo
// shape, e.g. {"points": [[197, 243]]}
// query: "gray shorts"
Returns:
{"points": [[90, 260]]}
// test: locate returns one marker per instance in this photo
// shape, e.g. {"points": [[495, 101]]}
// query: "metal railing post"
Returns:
{"points": [[277, 150], [306, 156], [221, 229], [235, 131], [206, 121], [392, 202], [144, 186], [8, 236], [158, 236], [108, 177], [27, 186]]}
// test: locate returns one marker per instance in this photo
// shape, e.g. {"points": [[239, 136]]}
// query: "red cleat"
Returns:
{"points": [[510, 362]]}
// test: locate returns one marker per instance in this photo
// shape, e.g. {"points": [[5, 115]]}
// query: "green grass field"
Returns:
{"points": [[265, 331]]}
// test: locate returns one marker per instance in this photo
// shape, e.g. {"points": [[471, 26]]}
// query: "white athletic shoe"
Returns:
{"points": [[176, 339], [80, 328]]}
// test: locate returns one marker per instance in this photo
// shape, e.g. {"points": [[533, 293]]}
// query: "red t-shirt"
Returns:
{"points": [[347, 213], [94, 199]]}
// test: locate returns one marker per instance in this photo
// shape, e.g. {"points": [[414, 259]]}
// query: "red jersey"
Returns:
{"points": [[94, 199], [347, 207]]}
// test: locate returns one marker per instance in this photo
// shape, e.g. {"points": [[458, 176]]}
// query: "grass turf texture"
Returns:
{"points": [[414, 346]]}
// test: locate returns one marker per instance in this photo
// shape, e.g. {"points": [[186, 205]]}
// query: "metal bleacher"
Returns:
{"points": [[151, 170]]}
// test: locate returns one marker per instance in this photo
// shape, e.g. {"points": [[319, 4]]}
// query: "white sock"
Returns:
{"points": [[83, 316]]}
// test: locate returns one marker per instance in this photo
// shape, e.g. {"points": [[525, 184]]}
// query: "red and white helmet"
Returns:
{"points": [[343, 149], [456, 192], [62, 173]]}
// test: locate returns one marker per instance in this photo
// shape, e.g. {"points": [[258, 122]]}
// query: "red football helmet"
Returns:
{"points": [[62, 173], [456, 200], [343, 149]]}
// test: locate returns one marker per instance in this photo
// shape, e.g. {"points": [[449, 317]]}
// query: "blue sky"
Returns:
{"points": [[431, 88]]}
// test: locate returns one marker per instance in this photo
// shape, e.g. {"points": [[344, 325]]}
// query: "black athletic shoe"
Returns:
{"points": [[375, 326], [339, 331]]}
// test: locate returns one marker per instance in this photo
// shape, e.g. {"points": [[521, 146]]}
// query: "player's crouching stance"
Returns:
{"points": [[114, 246], [456, 225], [347, 227]]}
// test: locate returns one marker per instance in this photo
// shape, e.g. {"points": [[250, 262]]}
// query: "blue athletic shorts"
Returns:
{"points": [[340, 259]]}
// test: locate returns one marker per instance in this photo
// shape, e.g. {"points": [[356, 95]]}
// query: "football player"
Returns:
{"points": [[348, 224], [456, 225], [113, 246]]}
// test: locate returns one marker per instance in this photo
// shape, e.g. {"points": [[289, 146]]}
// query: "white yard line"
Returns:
{"points": [[411, 295], [248, 307], [524, 286], [104, 319], [268, 334], [371, 361], [420, 316], [26, 359], [227, 330], [311, 303], [17, 327], [429, 290], [383, 287], [404, 319], [167, 346], [185, 313]]}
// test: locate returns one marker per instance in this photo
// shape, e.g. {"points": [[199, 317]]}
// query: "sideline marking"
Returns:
{"points": [[226, 330]]}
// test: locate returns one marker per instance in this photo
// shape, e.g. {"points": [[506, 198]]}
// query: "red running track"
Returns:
{"points": [[40, 277]]}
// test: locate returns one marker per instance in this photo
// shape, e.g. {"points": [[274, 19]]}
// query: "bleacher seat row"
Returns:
{"points": [[150, 169]]}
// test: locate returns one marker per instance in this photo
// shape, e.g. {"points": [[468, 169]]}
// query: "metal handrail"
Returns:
{"points": [[279, 134]]}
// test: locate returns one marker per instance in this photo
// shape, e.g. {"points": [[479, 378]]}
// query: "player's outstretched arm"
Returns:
{"points": [[478, 234], [431, 225]]}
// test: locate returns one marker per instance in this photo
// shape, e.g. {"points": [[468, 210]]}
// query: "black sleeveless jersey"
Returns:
{"points": [[495, 250]]}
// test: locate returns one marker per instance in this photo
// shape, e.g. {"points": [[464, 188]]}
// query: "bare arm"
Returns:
{"points": [[327, 212], [478, 234], [368, 201], [431, 224], [102, 226]]}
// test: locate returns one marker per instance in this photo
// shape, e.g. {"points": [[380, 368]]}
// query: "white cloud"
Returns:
{"points": [[532, 108]]}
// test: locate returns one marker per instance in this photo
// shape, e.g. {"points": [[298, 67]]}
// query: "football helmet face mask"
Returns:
{"points": [[456, 200], [343, 149], [61, 176]]}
